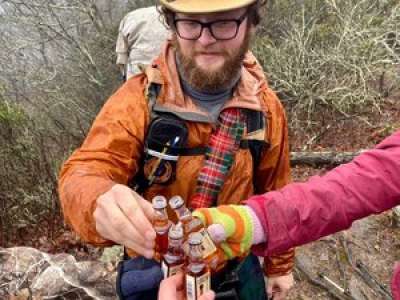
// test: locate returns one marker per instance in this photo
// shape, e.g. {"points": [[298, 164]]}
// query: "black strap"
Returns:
{"points": [[153, 90], [228, 295], [255, 120], [177, 151], [244, 144], [192, 151]]}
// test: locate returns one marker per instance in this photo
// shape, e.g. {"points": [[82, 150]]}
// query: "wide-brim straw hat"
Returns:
{"points": [[204, 6]]}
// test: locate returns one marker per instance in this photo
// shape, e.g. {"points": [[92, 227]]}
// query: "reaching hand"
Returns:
{"points": [[172, 289], [230, 226], [121, 215], [278, 287]]}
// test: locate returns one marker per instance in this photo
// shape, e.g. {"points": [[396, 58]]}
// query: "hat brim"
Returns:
{"points": [[204, 6]]}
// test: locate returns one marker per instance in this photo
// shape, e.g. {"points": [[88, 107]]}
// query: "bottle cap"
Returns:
{"points": [[195, 238], [159, 202], [176, 202]]}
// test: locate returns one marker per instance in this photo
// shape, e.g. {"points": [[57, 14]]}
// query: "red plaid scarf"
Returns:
{"points": [[223, 144]]}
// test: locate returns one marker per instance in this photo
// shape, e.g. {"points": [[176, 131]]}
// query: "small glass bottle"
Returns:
{"points": [[197, 278], [174, 260], [161, 225], [190, 225]]}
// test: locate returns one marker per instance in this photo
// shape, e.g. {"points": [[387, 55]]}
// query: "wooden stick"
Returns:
{"points": [[365, 275], [315, 281]]}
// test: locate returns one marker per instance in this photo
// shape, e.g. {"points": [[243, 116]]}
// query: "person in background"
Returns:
{"points": [[303, 212], [140, 38]]}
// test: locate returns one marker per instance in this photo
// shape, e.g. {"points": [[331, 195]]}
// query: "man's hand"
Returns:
{"points": [[121, 215], [172, 289], [278, 287]]}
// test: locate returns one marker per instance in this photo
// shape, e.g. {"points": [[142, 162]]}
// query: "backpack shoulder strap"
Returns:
{"points": [[255, 138], [255, 120]]}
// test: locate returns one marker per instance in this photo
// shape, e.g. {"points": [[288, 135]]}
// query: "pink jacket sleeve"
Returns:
{"points": [[303, 212]]}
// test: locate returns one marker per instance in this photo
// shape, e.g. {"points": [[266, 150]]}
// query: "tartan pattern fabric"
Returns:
{"points": [[223, 144]]}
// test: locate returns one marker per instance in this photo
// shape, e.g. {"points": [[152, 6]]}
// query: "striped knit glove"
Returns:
{"points": [[230, 226]]}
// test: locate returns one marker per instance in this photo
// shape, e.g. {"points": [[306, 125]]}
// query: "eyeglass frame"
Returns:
{"points": [[208, 25]]}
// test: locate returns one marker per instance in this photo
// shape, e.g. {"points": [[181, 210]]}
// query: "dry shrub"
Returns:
{"points": [[56, 70], [330, 55], [27, 179]]}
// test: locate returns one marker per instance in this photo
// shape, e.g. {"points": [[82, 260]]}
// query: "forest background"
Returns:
{"points": [[335, 65]]}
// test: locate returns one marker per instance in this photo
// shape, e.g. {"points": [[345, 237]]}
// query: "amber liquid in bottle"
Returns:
{"points": [[161, 225], [161, 246], [174, 260], [197, 278], [192, 224]]}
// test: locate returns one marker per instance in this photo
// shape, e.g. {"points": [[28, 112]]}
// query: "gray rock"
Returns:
{"points": [[27, 272]]}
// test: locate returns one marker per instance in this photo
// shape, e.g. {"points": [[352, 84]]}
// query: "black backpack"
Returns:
{"points": [[161, 153]]}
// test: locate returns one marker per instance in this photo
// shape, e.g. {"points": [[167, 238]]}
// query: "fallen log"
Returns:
{"points": [[329, 158]]}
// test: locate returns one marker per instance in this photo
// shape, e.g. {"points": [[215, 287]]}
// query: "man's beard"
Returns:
{"points": [[212, 81]]}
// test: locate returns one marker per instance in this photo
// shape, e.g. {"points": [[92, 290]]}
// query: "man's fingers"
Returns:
{"points": [[131, 243], [120, 216], [146, 252], [278, 296], [282, 295], [176, 280], [113, 224], [145, 205], [169, 287], [134, 212], [122, 225], [210, 295], [148, 212], [269, 291]]}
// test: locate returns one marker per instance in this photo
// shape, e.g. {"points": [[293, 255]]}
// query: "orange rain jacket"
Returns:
{"points": [[112, 151]]}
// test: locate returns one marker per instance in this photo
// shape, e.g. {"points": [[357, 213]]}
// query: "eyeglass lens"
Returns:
{"points": [[219, 30]]}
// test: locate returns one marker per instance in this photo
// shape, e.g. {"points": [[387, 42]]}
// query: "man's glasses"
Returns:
{"points": [[189, 29]]}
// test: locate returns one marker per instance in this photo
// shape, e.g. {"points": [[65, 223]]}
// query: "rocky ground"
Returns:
{"points": [[373, 241], [349, 259]]}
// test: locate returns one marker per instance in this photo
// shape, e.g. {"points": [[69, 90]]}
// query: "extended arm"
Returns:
{"points": [[303, 212]]}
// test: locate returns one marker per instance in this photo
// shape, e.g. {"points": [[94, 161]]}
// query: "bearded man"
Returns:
{"points": [[222, 138]]}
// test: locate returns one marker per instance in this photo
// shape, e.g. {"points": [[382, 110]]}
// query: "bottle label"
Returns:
{"points": [[203, 284], [197, 286], [170, 270], [164, 269], [208, 245], [190, 288], [175, 269]]}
